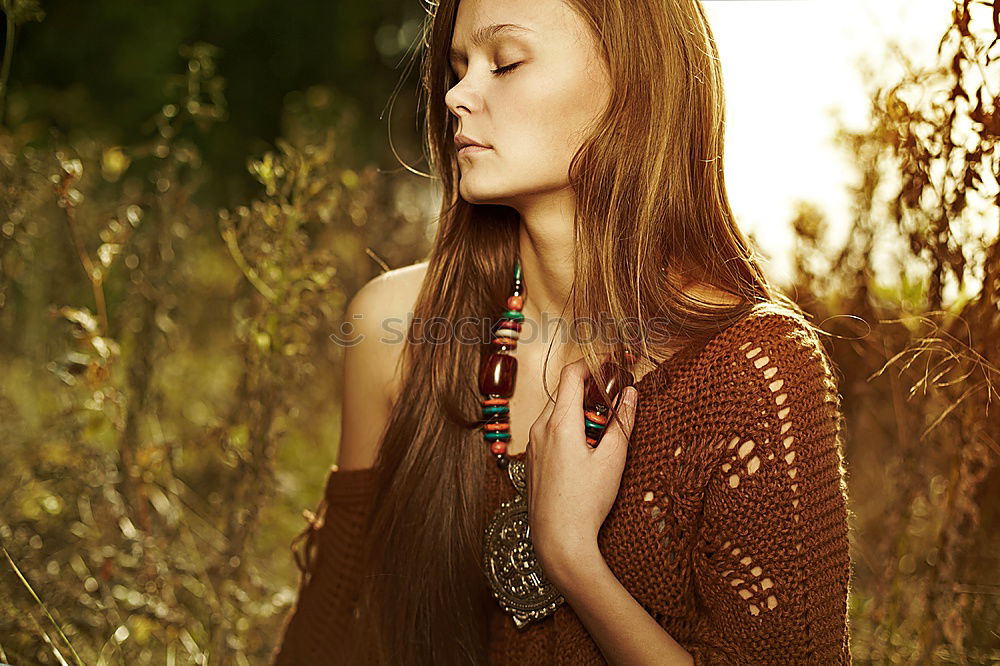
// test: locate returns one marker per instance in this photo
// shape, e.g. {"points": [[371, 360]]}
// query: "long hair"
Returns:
{"points": [[647, 201]]}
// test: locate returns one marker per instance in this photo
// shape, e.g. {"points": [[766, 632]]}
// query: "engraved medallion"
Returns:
{"points": [[515, 576]]}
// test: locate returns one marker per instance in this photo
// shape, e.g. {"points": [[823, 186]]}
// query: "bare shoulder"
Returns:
{"points": [[375, 323], [389, 295]]}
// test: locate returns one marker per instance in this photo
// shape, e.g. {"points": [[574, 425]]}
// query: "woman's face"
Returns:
{"points": [[533, 113]]}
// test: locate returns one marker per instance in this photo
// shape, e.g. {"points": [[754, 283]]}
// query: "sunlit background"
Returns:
{"points": [[789, 65]]}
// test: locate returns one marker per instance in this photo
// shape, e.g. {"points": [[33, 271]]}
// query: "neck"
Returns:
{"points": [[547, 248], [548, 265]]}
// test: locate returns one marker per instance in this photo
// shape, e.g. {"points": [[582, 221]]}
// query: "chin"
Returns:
{"points": [[479, 195]]}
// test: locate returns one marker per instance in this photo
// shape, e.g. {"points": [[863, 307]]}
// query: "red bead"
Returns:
{"points": [[497, 373], [515, 303], [618, 378], [494, 427], [498, 447], [495, 401]]}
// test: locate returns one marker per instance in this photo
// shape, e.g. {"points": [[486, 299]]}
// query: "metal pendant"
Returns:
{"points": [[514, 574]]}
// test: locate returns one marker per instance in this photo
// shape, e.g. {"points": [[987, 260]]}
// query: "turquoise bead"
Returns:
{"points": [[513, 314]]}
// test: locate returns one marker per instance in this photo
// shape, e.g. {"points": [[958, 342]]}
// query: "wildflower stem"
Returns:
{"points": [[93, 274], [43, 606]]}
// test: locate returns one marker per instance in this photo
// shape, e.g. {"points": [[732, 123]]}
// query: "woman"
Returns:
{"points": [[710, 523]]}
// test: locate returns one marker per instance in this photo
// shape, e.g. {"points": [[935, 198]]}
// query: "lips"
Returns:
{"points": [[471, 149], [462, 141]]}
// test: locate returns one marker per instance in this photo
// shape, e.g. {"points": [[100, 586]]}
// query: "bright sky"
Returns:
{"points": [[786, 63]]}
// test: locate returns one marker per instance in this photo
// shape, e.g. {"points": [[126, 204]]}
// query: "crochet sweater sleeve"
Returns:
{"points": [[317, 627], [772, 567]]}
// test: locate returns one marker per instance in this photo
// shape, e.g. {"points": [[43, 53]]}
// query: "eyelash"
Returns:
{"points": [[499, 71]]}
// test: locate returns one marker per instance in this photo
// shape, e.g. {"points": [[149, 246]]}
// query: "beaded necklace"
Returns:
{"points": [[513, 572]]}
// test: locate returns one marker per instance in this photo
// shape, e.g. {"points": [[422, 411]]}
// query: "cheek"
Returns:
{"points": [[588, 97], [555, 113]]}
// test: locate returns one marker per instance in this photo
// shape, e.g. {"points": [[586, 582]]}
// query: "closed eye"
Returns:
{"points": [[500, 71]]}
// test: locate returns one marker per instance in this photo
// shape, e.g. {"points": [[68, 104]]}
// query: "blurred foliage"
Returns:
{"points": [[95, 69], [169, 386], [168, 378]]}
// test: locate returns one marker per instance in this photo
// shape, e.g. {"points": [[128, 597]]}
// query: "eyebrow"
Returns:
{"points": [[486, 34]]}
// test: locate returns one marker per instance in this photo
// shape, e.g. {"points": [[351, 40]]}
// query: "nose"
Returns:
{"points": [[461, 100]]}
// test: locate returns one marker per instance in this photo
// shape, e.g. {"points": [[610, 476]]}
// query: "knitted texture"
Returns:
{"points": [[319, 626], [730, 526]]}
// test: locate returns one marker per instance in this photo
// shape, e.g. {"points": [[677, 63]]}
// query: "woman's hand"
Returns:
{"points": [[571, 486]]}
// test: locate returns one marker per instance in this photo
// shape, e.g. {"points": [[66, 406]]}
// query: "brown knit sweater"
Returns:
{"points": [[730, 527]]}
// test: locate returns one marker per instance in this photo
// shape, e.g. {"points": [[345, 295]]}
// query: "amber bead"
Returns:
{"points": [[497, 373]]}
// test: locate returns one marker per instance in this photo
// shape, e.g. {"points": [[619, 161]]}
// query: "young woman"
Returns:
{"points": [[709, 525]]}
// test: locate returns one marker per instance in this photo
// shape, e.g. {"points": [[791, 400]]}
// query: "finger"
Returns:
{"points": [[527, 469], [546, 413], [569, 403], [569, 394]]}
